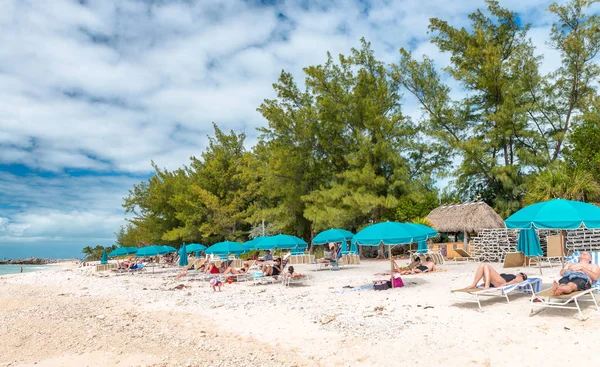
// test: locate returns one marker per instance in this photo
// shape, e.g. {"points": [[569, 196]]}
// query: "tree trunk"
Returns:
{"points": [[360, 252], [381, 251], [312, 235]]}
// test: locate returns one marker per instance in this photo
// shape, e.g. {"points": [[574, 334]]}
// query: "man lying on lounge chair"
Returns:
{"points": [[577, 276], [491, 278]]}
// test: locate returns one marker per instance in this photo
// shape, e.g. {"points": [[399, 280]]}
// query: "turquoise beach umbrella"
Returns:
{"points": [[122, 251], [391, 233], [151, 251], [104, 259], [332, 235], [183, 258], [169, 249], [529, 243], [423, 248], [556, 214], [225, 248], [195, 247], [281, 241], [253, 243]]}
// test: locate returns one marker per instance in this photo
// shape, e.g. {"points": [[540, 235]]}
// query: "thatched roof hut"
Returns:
{"points": [[467, 217]]}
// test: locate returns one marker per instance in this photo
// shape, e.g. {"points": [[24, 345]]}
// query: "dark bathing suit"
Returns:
{"points": [[507, 278], [423, 268], [582, 284], [275, 271]]}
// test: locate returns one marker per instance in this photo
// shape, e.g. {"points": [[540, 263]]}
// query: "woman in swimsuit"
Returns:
{"points": [[273, 270], [232, 270], [491, 278]]}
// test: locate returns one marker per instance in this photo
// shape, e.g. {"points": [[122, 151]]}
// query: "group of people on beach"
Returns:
{"points": [[574, 276]]}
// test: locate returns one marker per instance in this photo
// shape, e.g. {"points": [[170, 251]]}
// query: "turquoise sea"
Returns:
{"points": [[13, 269]]}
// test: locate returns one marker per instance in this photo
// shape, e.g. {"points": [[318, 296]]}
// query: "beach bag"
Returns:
{"points": [[380, 285], [398, 283]]}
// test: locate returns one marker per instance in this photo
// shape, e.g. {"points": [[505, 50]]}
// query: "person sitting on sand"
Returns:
{"points": [[332, 255], [491, 278], [216, 283], [292, 273], [578, 276], [418, 268], [232, 270], [429, 264]]}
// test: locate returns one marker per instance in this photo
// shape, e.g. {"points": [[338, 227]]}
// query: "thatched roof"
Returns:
{"points": [[470, 217]]}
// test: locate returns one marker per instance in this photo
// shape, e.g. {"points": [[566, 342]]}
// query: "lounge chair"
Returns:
{"points": [[529, 286], [464, 256], [271, 278], [546, 298], [244, 276], [333, 264]]}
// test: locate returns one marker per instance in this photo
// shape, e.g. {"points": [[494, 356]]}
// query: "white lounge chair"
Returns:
{"points": [[529, 286], [546, 298]]}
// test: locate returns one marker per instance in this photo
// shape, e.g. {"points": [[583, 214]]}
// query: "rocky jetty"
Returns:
{"points": [[30, 261]]}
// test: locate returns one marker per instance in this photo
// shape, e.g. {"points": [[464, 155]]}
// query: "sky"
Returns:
{"points": [[92, 90]]}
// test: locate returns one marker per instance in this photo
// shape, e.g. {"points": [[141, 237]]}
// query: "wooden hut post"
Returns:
{"points": [[465, 240]]}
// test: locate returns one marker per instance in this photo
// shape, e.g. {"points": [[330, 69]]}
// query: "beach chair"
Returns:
{"points": [[137, 268], [333, 264], [529, 286], [289, 280], [244, 276], [464, 256], [272, 278], [546, 298]]}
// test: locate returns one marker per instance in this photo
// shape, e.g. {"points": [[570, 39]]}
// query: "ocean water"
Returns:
{"points": [[13, 269]]}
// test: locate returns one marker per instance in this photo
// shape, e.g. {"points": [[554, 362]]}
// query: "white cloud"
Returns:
{"points": [[111, 85]]}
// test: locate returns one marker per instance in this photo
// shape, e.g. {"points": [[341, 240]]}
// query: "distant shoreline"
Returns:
{"points": [[34, 261]]}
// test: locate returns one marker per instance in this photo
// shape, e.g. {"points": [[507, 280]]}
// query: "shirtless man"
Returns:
{"points": [[578, 276], [429, 264]]}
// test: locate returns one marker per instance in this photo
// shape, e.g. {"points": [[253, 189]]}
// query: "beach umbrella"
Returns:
{"points": [[183, 258], [392, 233], [423, 248], [556, 214], [169, 249], [151, 251], [104, 259], [195, 247], [122, 251], [529, 243], [225, 248], [334, 235], [253, 243], [281, 241]]}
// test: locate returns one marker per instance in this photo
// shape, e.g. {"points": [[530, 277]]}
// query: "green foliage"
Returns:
{"points": [[95, 253], [561, 182], [338, 151]]}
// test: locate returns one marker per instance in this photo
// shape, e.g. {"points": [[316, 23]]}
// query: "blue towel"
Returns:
{"points": [[576, 274]]}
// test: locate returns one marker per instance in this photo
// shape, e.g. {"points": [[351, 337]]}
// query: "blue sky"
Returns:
{"points": [[92, 90]]}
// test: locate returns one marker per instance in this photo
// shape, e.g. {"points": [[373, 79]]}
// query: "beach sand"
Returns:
{"points": [[78, 317]]}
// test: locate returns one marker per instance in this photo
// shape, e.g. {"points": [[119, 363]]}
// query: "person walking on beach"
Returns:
{"points": [[21, 269]]}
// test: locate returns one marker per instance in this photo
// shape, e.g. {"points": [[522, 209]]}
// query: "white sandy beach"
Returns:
{"points": [[77, 317]]}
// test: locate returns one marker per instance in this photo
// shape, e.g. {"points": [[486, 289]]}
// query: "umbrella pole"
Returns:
{"points": [[391, 264]]}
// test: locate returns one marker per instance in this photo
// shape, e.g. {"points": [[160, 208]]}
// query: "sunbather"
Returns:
{"points": [[419, 268], [274, 270], [578, 276], [232, 270], [491, 278], [211, 269], [332, 257], [292, 274]]}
